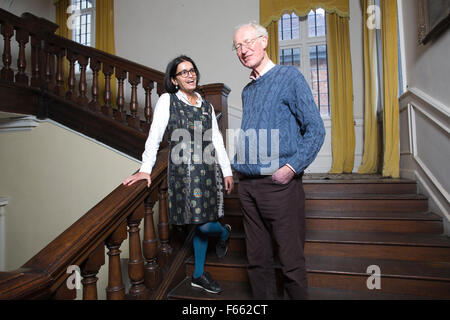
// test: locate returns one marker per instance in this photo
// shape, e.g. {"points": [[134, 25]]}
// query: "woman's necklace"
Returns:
{"points": [[193, 100]]}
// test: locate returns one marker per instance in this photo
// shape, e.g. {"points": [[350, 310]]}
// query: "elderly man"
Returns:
{"points": [[278, 105]]}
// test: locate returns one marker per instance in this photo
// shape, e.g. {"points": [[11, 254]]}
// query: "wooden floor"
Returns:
{"points": [[353, 222]]}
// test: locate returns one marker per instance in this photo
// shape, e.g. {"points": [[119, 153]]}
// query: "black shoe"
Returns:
{"points": [[207, 283], [222, 245]]}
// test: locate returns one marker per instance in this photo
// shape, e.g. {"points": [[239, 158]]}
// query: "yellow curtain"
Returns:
{"points": [[341, 94], [370, 159], [104, 40], [61, 16], [272, 46], [271, 10], [391, 154]]}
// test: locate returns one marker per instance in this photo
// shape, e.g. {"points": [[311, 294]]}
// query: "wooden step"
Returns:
{"points": [[405, 222], [401, 246], [235, 290], [393, 222], [354, 202], [371, 186], [431, 279], [380, 245]]}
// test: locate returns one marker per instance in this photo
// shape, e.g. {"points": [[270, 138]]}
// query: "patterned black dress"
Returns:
{"points": [[195, 189]]}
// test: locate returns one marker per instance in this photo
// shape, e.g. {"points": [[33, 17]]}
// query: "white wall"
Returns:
{"points": [[427, 66], [52, 177], [425, 113], [41, 8]]}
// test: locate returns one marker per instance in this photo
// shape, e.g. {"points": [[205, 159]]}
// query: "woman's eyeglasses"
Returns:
{"points": [[185, 73]]}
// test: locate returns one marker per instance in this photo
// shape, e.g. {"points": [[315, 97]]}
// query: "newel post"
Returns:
{"points": [[217, 95]]}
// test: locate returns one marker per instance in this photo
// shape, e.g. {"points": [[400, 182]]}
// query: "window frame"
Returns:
{"points": [[91, 11], [304, 42]]}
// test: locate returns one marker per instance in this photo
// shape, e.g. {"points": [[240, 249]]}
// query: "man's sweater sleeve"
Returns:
{"points": [[304, 108]]}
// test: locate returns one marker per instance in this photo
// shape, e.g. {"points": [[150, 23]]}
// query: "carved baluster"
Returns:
{"points": [[150, 246], [22, 37], [148, 112], [121, 114], [49, 67], [72, 57], [163, 226], [7, 32], [59, 89], [136, 262], [95, 67], [134, 120], [35, 61], [89, 270], [82, 88], [107, 95], [160, 88], [115, 289]]}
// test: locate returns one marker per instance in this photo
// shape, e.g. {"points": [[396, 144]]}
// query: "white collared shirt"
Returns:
{"points": [[266, 69], [159, 124]]}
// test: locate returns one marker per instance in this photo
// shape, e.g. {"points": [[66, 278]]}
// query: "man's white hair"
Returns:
{"points": [[259, 29]]}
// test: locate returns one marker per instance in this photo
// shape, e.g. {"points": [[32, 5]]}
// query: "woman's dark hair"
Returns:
{"points": [[171, 70]]}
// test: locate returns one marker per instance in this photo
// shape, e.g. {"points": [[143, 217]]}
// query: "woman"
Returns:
{"points": [[194, 184]]}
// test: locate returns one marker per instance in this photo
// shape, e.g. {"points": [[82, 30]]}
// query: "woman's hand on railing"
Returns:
{"points": [[136, 177]]}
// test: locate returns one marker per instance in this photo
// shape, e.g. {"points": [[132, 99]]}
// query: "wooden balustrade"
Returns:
{"points": [[83, 244], [49, 55]]}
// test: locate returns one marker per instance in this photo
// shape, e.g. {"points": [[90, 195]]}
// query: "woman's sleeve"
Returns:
{"points": [[159, 124], [217, 140]]}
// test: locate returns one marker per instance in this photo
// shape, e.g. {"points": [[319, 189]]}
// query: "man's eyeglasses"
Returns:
{"points": [[247, 43], [185, 73]]}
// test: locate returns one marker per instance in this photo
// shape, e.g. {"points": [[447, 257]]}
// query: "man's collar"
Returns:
{"points": [[254, 75]]}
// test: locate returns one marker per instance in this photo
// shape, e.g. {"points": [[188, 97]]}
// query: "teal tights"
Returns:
{"points": [[201, 243]]}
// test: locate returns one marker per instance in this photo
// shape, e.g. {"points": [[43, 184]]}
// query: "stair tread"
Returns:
{"points": [[424, 270], [375, 238], [307, 180], [234, 290], [358, 215], [382, 238], [352, 196], [363, 196], [373, 215], [358, 181]]}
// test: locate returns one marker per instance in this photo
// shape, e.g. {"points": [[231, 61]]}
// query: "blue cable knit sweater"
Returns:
{"points": [[281, 124]]}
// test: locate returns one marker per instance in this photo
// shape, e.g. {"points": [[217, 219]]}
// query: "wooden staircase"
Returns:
{"points": [[351, 225]]}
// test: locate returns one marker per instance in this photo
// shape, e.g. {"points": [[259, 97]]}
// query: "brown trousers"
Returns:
{"points": [[274, 213]]}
